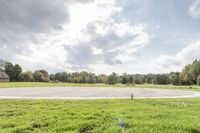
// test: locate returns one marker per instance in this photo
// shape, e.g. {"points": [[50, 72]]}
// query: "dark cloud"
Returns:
{"points": [[23, 21], [32, 15], [80, 55], [83, 55], [109, 44], [110, 40]]}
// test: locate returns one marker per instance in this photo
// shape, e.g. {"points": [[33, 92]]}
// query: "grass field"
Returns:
{"points": [[127, 116], [40, 84]]}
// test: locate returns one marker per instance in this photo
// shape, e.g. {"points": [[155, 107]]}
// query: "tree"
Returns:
{"points": [[2, 65], [52, 77], [138, 81], [148, 80], [13, 71], [195, 70], [189, 74], [27, 76], [38, 76], [17, 71], [102, 78], [198, 80], [154, 81], [41, 76], [9, 69], [161, 79], [130, 80], [112, 79], [175, 80], [124, 80]]}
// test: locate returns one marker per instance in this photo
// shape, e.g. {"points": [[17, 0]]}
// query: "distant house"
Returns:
{"points": [[4, 77]]}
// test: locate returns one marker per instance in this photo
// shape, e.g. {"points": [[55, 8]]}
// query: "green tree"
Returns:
{"points": [[138, 81], [2, 65], [124, 80], [17, 71], [9, 69], [112, 79], [13, 71], [102, 78], [195, 70], [52, 77], [198, 80], [175, 80], [27, 76], [41, 76], [148, 80], [130, 80], [162, 79]]}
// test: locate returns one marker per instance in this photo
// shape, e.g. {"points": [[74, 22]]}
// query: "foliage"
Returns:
{"points": [[174, 78], [13, 71], [2, 65], [124, 80], [162, 79], [148, 80], [26, 76], [188, 76], [198, 80], [112, 79], [190, 73], [41, 76]]}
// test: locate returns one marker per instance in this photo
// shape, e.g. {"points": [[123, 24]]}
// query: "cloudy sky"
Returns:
{"points": [[101, 36]]}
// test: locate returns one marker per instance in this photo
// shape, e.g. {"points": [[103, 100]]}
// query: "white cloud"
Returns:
{"points": [[99, 39], [79, 36], [194, 9], [180, 59]]}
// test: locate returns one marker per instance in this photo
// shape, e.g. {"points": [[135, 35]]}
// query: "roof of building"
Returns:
{"points": [[3, 75]]}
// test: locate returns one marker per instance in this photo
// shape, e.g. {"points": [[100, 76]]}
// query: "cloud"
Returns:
{"points": [[107, 42], [194, 9], [33, 15], [25, 24], [180, 59], [68, 35]]}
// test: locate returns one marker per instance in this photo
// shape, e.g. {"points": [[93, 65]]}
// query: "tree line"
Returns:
{"points": [[190, 75]]}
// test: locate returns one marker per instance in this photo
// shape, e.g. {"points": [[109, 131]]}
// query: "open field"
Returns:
{"points": [[141, 115], [42, 84]]}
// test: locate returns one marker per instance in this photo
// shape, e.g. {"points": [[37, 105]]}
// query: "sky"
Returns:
{"points": [[100, 36]]}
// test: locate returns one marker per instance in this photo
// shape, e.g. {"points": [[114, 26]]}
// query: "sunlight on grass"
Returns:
{"points": [[147, 115]]}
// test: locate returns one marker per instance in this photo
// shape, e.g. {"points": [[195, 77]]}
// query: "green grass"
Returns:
{"points": [[40, 84], [99, 116]]}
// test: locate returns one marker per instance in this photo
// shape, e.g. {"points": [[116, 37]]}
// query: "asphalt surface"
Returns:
{"points": [[92, 93]]}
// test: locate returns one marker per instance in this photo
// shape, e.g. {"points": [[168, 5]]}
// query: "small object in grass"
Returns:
{"points": [[121, 124], [131, 96], [190, 87]]}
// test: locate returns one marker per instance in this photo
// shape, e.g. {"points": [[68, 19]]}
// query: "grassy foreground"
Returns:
{"points": [[141, 115], [40, 84]]}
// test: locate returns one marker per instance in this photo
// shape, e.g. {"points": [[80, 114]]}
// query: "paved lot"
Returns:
{"points": [[91, 93]]}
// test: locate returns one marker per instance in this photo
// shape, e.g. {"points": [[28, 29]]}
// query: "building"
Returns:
{"points": [[4, 77]]}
